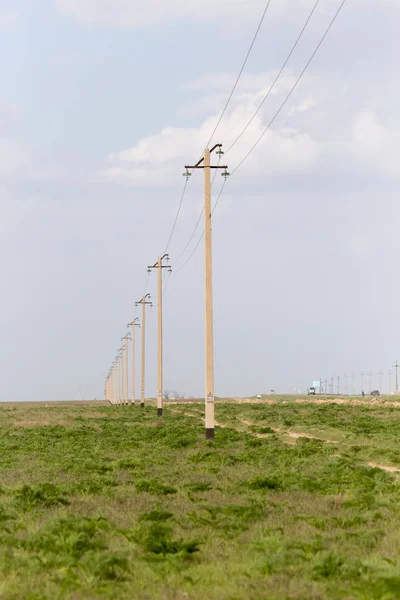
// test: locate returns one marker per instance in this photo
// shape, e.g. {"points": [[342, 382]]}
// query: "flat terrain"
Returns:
{"points": [[294, 499]]}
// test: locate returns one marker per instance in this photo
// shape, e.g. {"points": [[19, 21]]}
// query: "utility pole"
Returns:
{"points": [[345, 385], [123, 371], [354, 384], [143, 302], [370, 381], [396, 366], [133, 325], [159, 266], [332, 386], [119, 376], [326, 387], [362, 381], [205, 163], [126, 367], [390, 372], [114, 383], [380, 380], [338, 385]]}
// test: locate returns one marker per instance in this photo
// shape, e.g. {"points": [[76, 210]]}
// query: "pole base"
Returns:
{"points": [[210, 434], [142, 405], [159, 412]]}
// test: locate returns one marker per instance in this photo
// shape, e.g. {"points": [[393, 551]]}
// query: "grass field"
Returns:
{"points": [[292, 500]]}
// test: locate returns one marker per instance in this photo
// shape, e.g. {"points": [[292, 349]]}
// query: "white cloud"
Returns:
{"points": [[139, 13], [310, 135]]}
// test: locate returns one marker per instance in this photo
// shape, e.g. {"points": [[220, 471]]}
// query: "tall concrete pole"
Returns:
{"points": [[143, 302], [160, 347], [205, 163], [209, 326], [125, 368], [123, 374], [159, 266], [133, 325], [119, 378]]}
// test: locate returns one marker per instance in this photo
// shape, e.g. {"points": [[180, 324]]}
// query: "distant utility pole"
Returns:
{"points": [[345, 385], [380, 380], [362, 380], [370, 381], [133, 325], [326, 387], [114, 382], [143, 302], [332, 386], [396, 366], [338, 385], [390, 372], [119, 376], [354, 384], [159, 266], [123, 371], [205, 163], [127, 338]]}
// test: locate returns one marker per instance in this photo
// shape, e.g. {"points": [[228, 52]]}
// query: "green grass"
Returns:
{"points": [[106, 502]]}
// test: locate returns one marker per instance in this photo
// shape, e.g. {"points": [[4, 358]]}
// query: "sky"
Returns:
{"points": [[102, 103]]}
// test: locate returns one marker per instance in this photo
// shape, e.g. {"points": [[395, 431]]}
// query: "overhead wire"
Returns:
{"points": [[221, 115], [240, 72], [176, 216], [199, 218], [273, 118], [294, 86], [293, 48], [202, 235]]}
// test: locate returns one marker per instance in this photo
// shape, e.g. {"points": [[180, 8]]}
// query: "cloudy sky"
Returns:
{"points": [[102, 104]]}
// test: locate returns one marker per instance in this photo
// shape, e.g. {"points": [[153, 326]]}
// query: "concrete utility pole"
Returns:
{"points": [[390, 372], [114, 385], [119, 377], [380, 380], [205, 163], [338, 385], [396, 366], [126, 339], [159, 266], [143, 302], [133, 325], [333, 391], [362, 380], [326, 387], [123, 371], [370, 381]]}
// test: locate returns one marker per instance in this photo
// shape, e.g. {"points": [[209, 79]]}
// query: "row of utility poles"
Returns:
{"points": [[327, 386], [117, 382]]}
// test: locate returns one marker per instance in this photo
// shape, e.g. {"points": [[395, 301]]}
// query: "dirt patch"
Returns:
{"points": [[387, 468]]}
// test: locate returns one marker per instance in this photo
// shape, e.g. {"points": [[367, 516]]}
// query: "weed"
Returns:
{"points": [[44, 495], [154, 487]]}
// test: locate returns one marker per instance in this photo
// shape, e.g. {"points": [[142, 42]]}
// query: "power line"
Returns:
{"points": [[177, 215], [222, 114], [291, 90], [240, 72], [277, 77], [202, 235], [198, 220]]}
